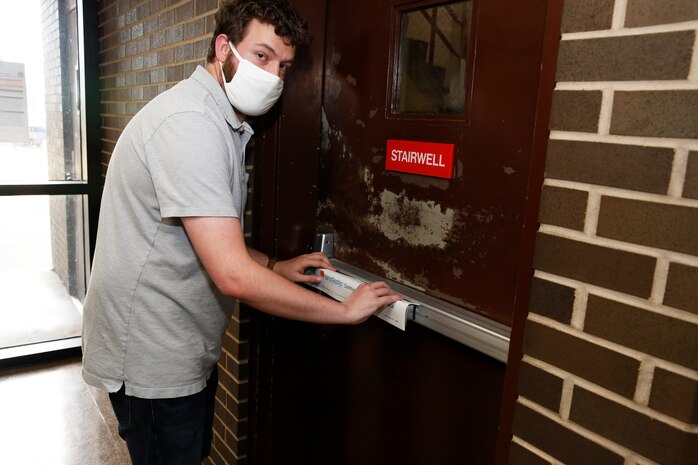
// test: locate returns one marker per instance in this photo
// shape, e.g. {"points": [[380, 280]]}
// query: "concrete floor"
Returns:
{"points": [[50, 416]]}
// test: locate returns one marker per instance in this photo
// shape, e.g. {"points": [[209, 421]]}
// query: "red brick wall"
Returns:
{"points": [[610, 370], [147, 47]]}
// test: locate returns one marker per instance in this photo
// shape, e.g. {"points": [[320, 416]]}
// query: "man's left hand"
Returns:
{"points": [[294, 269]]}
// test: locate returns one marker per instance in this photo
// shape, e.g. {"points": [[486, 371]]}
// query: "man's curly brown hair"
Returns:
{"points": [[234, 16]]}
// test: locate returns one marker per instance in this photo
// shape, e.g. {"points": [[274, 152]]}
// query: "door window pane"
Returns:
{"points": [[432, 59]]}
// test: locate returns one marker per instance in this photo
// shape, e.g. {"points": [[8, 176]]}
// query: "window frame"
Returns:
{"points": [[393, 84], [90, 188]]}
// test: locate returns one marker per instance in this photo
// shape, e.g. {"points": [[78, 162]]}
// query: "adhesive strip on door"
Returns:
{"points": [[339, 286]]}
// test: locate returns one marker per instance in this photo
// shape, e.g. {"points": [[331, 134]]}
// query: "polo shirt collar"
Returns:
{"points": [[204, 78]]}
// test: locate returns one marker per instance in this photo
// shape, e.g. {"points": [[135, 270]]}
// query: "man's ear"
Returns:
{"points": [[222, 48]]}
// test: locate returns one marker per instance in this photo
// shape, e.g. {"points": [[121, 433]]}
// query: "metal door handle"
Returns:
{"points": [[482, 334]]}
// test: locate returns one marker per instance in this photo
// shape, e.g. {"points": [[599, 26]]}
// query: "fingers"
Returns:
{"points": [[381, 290], [317, 260], [388, 300], [308, 278]]}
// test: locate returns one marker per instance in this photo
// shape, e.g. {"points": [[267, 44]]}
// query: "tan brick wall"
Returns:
{"points": [[147, 47], [610, 367]]}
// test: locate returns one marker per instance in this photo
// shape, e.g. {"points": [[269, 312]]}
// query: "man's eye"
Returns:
{"points": [[261, 56]]}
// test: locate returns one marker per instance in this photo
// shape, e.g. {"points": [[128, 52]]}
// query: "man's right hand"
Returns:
{"points": [[368, 299]]}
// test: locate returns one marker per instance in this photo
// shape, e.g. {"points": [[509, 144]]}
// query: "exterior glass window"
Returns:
{"points": [[44, 189]]}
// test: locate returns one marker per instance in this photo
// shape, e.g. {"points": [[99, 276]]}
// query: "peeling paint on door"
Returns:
{"points": [[418, 223], [336, 57], [325, 144], [394, 274]]}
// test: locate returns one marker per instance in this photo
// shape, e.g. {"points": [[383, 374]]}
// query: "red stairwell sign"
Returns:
{"points": [[425, 158]]}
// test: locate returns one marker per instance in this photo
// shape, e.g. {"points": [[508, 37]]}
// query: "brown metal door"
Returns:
{"points": [[372, 394]]}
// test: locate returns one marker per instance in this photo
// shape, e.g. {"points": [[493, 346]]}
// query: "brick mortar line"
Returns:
{"points": [[630, 31], [146, 35], [579, 308], [238, 381], [231, 414], [660, 279], [678, 173], [580, 430], [621, 349], [606, 394], [606, 112], [640, 460], [115, 3], [628, 86], [591, 215], [566, 398], [620, 9], [108, 89], [645, 378], [619, 297], [228, 430], [609, 191], [197, 61], [239, 341], [535, 450], [112, 115], [667, 142], [138, 3], [227, 391], [693, 72], [616, 244], [150, 50], [240, 320], [240, 362], [106, 8], [111, 128], [142, 20], [222, 440]]}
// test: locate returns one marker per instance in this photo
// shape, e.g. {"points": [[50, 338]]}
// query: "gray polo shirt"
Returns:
{"points": [[153, 319]]}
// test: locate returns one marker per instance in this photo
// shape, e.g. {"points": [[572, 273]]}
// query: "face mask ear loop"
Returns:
{"points": [[220, 63], [235, 52]]}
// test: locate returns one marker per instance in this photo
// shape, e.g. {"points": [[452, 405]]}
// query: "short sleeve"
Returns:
{"points": [[192, 167]]}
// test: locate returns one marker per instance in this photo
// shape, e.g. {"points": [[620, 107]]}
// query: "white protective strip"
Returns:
{"points": [[340, 286]]}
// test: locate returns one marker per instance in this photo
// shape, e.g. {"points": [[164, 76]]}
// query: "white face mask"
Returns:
{"points": [[252, 91]]}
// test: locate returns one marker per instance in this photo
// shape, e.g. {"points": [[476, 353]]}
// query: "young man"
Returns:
{"points": [[171, 259]]}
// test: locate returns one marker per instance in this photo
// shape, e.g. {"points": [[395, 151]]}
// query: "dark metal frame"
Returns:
{"points": [[394, 58], [90, 188]]}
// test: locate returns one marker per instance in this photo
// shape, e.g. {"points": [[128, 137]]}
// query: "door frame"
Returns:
{"points": [[541, 133]]}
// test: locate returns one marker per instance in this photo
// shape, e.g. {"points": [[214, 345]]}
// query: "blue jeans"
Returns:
{"points": [[174, 431]]}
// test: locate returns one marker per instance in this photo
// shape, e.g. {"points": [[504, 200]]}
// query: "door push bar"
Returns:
{"points": [[475, 331]]}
